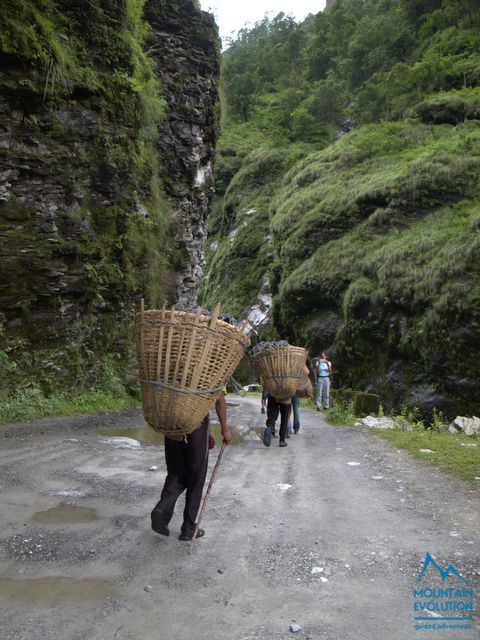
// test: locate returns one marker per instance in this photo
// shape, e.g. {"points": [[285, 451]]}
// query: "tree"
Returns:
{"points": [[415, 9], [377, 44], [240, 94]]}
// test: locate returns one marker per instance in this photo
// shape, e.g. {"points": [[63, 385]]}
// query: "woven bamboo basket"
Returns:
{"points": [[279, 368], [185, 360]]}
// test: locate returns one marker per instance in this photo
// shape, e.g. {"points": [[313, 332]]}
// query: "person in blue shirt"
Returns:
{"points": [[324, 370]]}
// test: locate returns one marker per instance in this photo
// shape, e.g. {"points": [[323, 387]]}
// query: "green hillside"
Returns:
{"points": [[348, 172]]}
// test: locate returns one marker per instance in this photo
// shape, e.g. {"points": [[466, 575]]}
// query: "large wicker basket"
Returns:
{"points": [[185, 359], [279, 367]]}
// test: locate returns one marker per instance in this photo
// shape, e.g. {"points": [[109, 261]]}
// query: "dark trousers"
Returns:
{"points": [[273, 409], [186, 470]]}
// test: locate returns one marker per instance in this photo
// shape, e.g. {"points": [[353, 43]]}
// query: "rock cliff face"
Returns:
{"points": [[186, 55], [103, 198]]}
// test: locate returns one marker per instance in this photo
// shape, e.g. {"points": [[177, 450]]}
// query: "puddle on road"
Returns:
{"points": [[143, 434], [51, 590], [65, 513], [147, 435], [240, 435]]}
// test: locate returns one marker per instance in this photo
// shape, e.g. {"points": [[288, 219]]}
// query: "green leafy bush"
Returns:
{"points": [[449, 109]]}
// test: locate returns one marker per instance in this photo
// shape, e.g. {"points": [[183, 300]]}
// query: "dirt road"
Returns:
{"points": [[329, 534]]}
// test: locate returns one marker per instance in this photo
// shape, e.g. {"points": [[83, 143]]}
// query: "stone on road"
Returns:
{"points": [[295, 534]]}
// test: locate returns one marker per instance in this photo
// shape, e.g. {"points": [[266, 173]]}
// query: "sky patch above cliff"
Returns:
{"points": [[233, 17]]}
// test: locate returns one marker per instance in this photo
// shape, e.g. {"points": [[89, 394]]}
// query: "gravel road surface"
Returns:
{"points": [[325, 539]]}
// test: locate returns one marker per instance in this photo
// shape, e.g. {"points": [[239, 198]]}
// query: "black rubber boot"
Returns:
{"points": [[187, 534], [160, 522]]}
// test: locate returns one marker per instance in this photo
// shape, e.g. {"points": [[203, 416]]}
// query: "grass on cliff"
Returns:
{"points": [[96, 49], [381, 230], [235, 268], [409, 167], [252, 158]]}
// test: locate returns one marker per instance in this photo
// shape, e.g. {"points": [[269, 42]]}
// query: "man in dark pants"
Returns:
{"points": [[187, 462], [274, 407]]}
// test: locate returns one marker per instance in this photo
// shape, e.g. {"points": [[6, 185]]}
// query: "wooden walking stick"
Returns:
{"points": [[207, 494]]}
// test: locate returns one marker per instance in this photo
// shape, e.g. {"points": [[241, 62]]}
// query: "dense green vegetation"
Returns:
{"points": [[348, 171]]}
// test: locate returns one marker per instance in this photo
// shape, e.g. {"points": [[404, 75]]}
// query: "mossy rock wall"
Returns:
{"points": [[379, 254], [362, 404], [365, 404], [94, 133]]}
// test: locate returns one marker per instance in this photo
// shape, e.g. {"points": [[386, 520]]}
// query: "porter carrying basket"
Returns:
{"points": [[279, 367], [185, 360]]}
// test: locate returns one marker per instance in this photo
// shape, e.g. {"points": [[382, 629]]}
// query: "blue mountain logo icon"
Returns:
{"points": [[450, 570]]}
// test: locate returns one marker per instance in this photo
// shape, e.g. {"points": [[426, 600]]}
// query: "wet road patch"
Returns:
{"points": [[50, 590], [65, 513], [147, 435], [143, 434]]}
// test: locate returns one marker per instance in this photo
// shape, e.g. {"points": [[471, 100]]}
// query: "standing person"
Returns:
{"points": [[296, 413], [274, 407], [304, 391], [187, 462], [324, 370]]}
